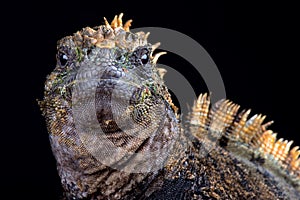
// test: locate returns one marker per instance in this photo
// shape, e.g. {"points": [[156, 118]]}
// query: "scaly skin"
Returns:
{"points": [[106, 93]]}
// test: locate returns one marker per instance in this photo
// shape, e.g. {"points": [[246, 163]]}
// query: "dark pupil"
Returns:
{"points": [[63, 59], [144, 58]]}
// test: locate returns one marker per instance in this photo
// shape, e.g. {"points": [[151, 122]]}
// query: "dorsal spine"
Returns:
{"points": [[223, 120]]}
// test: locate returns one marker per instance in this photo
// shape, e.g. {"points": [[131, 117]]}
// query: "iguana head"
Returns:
{"points": [[107, 107]]}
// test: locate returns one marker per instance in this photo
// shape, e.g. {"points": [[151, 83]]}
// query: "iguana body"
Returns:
{"points": [[115, 132]]}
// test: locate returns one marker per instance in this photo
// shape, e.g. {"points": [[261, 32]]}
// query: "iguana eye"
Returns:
{"points": [[145, 58], [143, 55], [140, 56], [63, 59]]}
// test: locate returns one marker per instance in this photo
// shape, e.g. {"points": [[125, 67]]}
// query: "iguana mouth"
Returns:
{"points": [[124, 110]]}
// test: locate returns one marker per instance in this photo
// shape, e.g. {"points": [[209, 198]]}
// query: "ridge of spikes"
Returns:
{"points": [[223, 117]]}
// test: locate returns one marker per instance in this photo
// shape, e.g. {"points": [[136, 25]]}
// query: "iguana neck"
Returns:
{"points": [[85, 176]]}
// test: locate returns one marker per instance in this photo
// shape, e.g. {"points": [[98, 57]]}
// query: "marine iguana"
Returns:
{"points": [[116, 134]]}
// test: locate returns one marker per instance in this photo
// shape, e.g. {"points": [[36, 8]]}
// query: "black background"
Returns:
{"points": [[254, 45]]}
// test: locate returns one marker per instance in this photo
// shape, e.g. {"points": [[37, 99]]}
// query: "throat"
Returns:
{"points": [[116, 163]]}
